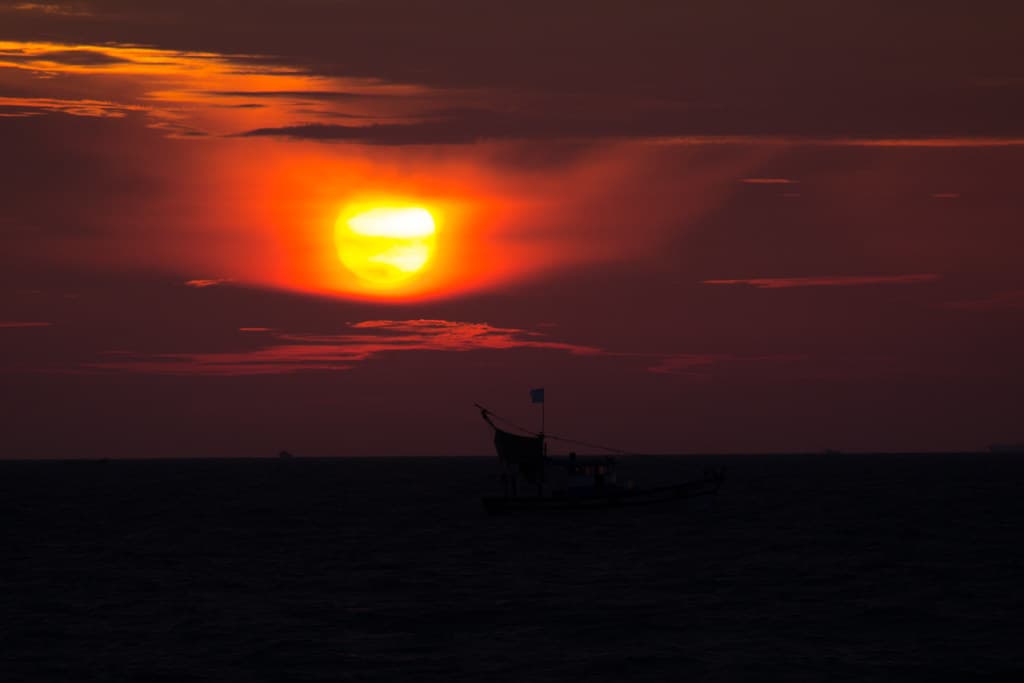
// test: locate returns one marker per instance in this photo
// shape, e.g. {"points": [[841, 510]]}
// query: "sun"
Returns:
{"points": [[385, 245]]}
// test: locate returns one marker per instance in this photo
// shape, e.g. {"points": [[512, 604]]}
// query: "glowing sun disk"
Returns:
{"points": [[385, 222], [385, 246]]}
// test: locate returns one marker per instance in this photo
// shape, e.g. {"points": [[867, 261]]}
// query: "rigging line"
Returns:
{"points": [[507, 421], [590, 445]]}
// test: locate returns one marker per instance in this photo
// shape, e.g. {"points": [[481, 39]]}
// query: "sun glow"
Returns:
{"points": [[385, 245]]}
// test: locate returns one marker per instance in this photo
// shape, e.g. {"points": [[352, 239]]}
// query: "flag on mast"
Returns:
{"points": [[536, 395]]}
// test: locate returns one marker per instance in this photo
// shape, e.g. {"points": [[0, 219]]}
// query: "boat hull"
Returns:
{"points": [[616, 498]]}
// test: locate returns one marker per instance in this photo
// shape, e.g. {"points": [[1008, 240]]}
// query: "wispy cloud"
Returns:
{"points": [[927, 142], [314, 95], [17, 324], [201, 284], [193, 94], [932, 142], [462, 126], [829, 281], [186, 93], [53, 8], [684, 364], [288, 353], [70, 57], [36, 106], [698, 364], [769, 181], [421, 133]]}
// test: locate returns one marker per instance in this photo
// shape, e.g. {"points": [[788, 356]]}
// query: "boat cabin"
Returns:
{"points": [[591, 475]]}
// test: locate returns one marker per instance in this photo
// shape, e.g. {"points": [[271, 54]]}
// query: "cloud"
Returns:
{"points": [[432, 133], [475, 125], [71, 57], [896, 84], [299, 94], [35, 106], [185, 93], [829, 281], [466, 125], [820, 140], [17, 324], [202, 284], [926, 142], [1003, 301], [291, 353], [304, 99], [685, 364], [770, 181], [53, 8], [286, 353], [692, 363]]}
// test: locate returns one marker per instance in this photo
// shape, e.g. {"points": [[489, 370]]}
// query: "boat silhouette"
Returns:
{"points": [[589, 483]]}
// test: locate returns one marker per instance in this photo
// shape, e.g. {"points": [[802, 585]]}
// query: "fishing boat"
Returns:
{"points": [[533, 481]]}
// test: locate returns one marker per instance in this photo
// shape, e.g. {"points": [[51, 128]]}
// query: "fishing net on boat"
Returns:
{"points": [[525, 452]]}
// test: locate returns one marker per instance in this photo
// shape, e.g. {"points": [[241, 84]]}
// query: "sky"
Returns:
{"points": [[711, 226]]}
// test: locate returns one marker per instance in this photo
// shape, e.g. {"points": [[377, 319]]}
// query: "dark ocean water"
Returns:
{"points": [[804, 568]]}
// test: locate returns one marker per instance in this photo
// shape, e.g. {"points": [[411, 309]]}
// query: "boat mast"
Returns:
{"points": [[537, 396], [543, 441]]}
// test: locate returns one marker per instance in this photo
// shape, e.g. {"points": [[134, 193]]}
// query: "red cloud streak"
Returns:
{"points": [[306, 352], [17, 324], [829, 281], [287, 353]]}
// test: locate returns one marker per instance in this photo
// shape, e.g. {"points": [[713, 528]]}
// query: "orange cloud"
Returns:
{"points": [[15, 324], [35, 106], [190, 93], [770, 181], [285, 353], [925, 142], [315, 352], [829, 281], [53, 8], [202, 284]]}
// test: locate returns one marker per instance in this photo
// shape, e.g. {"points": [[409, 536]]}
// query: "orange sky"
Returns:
{"points": [[767, 231], [261, 211]]}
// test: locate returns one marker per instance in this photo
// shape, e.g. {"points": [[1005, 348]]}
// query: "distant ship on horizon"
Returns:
{"points": [[1006, 448]]}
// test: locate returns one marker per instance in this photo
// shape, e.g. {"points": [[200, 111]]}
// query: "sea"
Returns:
{"points": [[823, 567]]}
